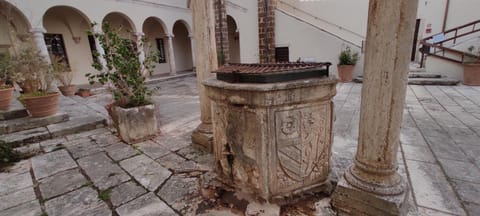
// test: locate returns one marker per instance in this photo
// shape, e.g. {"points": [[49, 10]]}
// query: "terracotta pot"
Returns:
{"points": [[84, 93], [6, 96], [471, 74], [345, 72], [42, 106], [68, 90]]}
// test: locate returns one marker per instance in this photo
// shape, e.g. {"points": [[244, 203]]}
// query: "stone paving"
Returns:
{"points": [[94, 173]]}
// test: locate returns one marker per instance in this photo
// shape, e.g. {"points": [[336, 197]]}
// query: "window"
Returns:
{"points": [[56, 48], [93, 47], [161, 50], [282, 54]]}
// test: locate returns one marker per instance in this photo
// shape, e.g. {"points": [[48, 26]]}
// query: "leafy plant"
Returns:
{"points": [[347, 57], [31, 71], [4, 69], [7, 153], [104, 195], [473, 56], [124, 71]]}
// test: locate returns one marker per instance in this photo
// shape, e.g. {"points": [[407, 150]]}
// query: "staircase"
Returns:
{"points": [[18, 129], [419, 76], [450, 46]]}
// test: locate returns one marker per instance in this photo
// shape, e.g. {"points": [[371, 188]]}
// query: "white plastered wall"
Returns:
{"points": [[153, 30], [182, 47], [244, 12]]}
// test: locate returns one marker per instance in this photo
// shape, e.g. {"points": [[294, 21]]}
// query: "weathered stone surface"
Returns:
{"points": [[27, 123], [31, 208], [146, 171], [10, 182], [152, 149], [105, 139], [418, 153], [16, 111], [51, 163], [27, 136], [173, 143], [52, 144], [75, 125], [461, 170], [87, 133], [120, 151], [472, 209], [61, 183], [17, 168], [85, 148], [181, 193], [137, 123], [77, 203], [468, 192], [431, 188], [179, 165], [103, 172], [430, 212], [16, 198], [147, 204], [29, 149], [265, 209], [125, 192]]}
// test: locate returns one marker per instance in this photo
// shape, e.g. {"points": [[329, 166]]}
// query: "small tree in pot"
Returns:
{"points": [[346, 64], [132, 111], [6, 90], [35, 76], [65, 76]]}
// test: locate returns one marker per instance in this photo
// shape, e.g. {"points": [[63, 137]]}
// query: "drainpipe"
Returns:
{"points": [[445, 16]]}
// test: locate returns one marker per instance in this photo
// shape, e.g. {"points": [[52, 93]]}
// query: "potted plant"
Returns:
{"points": [[6, 90], [471, 67], [346, 64], [36, 76], [64, 76], [132, 111]]}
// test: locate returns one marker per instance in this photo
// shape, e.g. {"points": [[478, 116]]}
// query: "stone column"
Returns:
{"points": [[171, 55], [101, 52], [192, 44], [40, 42], [372, 185], [205, 61], [138, 39]]}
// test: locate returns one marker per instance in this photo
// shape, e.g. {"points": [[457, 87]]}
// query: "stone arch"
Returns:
{"points": [[182, 46], [122, 23], [17, 35], [156, 34], [67, 40], [233, 40]]}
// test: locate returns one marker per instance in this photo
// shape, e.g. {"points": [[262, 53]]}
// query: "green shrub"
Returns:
{"points": [[7, 153], [347, 57]]}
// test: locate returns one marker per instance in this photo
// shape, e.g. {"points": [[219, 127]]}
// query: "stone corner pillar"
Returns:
{"points": [[372, 185], [205, 61], [40, 44], [171, 54], [192, 45]]}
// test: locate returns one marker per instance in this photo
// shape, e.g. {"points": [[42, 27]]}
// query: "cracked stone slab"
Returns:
{"points": [[61, 183], [17, 198], [181, 193], [103, 172], [125, 193], [152, 149], [148, 204], [120, 151], [146, 171], [179, 165], [87, 134], [31, 208], [77, 203], [52, 144], [51, 163], [105, 139], [10, 182], [84, 148]]}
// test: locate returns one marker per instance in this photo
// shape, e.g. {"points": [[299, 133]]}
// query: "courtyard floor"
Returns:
{"points": [[94, 173]]}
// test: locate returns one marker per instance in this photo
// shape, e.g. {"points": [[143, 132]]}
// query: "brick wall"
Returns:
{"points": [[266, 30], [221, 32]]}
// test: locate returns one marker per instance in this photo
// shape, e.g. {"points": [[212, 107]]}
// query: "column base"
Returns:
{"points": [[202, 137], [349, 200]]}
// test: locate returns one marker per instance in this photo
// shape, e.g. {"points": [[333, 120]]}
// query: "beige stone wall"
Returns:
{"points": [[182, 47], [153, 30]]}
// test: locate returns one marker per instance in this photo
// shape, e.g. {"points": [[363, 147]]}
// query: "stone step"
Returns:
{"points": [[16, 111], [72, 126], [25, 123], [423, 75], [418, 70], [422, 81]]}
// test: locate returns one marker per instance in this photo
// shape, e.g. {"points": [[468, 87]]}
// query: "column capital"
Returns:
{"points": [[138, 34], [169, 35], [37, 30]]}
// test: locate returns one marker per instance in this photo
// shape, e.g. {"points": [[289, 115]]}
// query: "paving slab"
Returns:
{"points": [[146, 171], [61, 183], [431, 188], [31, 208], [76, 125], [87, 133], [16, 198], [125, 193], [120, 151], [152, 149], [468, 192], [465, 171], [430, 212], [17, 168], [10, 182], [52, 144], [84, 148], [105, 139], [418, 153], [81, 202], [52, 163], [181, 193], [472, 209], [148, 204], [27, 136], [178, 164], [103, 171]]}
